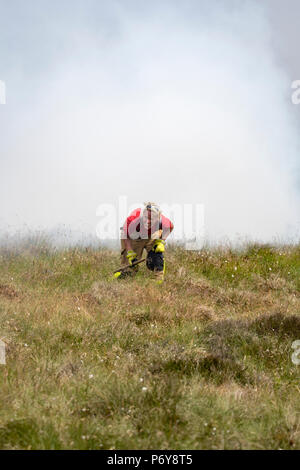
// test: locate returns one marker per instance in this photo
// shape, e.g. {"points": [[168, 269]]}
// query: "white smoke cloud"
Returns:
{"points": [[174, 104]]}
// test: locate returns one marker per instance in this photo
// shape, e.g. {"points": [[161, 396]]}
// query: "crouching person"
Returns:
{"points": [[147, 229]]}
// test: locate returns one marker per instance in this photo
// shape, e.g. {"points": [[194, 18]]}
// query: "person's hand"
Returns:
{"points": [[159, 246], [132, 257]]}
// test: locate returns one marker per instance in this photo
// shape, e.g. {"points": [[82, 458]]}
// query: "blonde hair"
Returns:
{"points": [[153, 207]]}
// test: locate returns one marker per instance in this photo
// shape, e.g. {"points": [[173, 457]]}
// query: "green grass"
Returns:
{"points": [[200, 362]]}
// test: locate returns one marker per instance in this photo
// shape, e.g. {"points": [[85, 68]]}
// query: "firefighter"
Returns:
{"points": [[147, 229]]}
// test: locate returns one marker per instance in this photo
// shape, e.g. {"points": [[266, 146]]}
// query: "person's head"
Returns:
{"points": [[151, 214]]}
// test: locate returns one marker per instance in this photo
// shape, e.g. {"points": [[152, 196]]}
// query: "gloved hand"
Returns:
{"points": [[131, 256], [159, 246], [117, 275]]}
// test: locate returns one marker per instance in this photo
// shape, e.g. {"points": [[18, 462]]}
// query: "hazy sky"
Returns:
{"points": [[173, 101]]}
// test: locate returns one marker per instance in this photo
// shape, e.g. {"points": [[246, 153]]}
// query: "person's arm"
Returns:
{"points": [[167, 228], [125, 234], [131, 255], [165, 236], [127, 244]]}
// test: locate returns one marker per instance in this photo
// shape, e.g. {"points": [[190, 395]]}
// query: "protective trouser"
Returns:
{"points": [[155, 261]]}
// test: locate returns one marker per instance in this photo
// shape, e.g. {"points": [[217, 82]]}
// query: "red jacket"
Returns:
{"points": [[134, 229]]}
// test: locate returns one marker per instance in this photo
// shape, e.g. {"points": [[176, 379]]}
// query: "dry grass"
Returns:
{"points": [[202, 362]]}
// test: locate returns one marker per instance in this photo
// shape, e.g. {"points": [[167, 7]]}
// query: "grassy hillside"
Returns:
{"points": [[200, 362]]}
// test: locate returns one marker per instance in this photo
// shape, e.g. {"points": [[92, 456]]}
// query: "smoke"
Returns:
{"points": [[176, 102]]}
